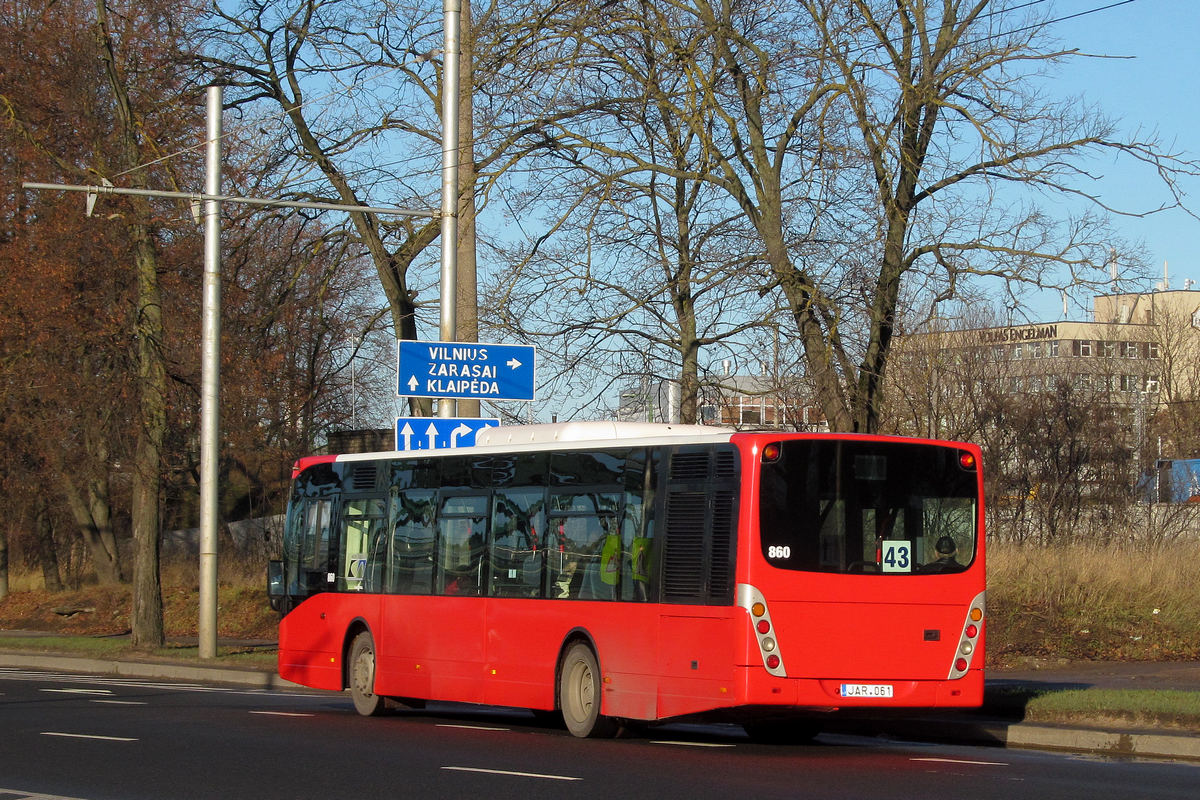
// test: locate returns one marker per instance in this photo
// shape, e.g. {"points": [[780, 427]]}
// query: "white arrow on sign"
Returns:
{"points": [[431, 432], [462, 428], [406, 433], [413, 383], [513, 363]]}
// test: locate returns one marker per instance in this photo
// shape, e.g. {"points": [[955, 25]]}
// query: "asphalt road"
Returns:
{"points": [[96, 737]]}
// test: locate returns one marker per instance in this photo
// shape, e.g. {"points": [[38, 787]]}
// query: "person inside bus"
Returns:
{"points": [[461, 580], [946, 550]]}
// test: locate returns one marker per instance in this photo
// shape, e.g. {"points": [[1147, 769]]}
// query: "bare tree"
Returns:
{"points": [[876, 145], [360, 88]]}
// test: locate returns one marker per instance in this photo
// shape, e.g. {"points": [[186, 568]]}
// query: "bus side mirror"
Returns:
{"points": [[275, 586]]}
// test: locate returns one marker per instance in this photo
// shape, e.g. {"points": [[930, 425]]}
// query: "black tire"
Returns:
{"points": [[360, 675], [579, 695]]}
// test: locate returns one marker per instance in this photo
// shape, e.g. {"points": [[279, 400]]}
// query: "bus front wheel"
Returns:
{"points": [[579, 694], [361, 676]]}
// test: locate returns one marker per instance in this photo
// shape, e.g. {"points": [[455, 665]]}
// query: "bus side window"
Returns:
{"points": [[376, 561], [637, 528], [314, 548], [516, 552], [410, 566], [578, 566], [359, 519], [462, 527]]}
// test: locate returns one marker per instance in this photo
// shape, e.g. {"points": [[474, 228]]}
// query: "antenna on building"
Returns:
{"points": [[1187, 284], [1112, 269], [1166, 281], [1063, 292]]}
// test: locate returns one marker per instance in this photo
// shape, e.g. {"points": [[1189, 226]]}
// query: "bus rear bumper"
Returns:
{"points": [[856, 692]]}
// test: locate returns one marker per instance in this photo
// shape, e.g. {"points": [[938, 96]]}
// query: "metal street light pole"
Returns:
{"points": [[210, 382]]}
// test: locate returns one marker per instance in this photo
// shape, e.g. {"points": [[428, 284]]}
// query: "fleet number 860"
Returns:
{"points": [[779, 551]]}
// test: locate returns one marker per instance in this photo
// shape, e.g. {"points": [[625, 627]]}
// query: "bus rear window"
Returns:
{"points": [[868, 507]]}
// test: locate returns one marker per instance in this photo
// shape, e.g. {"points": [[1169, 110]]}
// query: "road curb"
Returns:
{"points": [[1033, 736], [1150, 745], [236, 676]]}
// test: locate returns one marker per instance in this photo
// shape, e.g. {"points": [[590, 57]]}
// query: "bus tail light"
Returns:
{"points": [[752, 600], [968, 640]]}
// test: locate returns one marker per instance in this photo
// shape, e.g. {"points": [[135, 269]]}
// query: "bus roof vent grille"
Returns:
{"points": [[726, 462], [362, 477], [689, 466]]}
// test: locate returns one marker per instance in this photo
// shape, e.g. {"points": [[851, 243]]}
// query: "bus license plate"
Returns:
{"points": [[866, 690]]}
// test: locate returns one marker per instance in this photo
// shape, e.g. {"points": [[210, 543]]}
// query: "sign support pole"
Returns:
{"points": [[449, 277]]}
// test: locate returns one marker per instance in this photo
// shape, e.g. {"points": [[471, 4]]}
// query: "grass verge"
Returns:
{"points": [[1151, 709]]}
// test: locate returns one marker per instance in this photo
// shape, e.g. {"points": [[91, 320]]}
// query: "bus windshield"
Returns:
{"points": [[897, 508]]}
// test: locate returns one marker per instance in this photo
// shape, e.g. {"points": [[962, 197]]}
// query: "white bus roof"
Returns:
{"points": [[591, 432], [570, 434]]}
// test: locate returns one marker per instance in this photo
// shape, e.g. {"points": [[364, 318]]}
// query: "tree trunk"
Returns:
{"points": [[3, 563], [94, 520], [47, 554], [147, 621]]}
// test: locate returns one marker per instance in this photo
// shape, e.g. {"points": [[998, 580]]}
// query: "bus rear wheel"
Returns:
{"points": [[579, 694], [361, 676]]}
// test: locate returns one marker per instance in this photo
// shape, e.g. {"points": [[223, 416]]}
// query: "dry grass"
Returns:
{"points": [[1081, 601], [1076, 601], [242, 609]]}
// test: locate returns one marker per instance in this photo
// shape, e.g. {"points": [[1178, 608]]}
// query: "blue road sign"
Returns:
{"points": [[466, 370], [439, 433]]}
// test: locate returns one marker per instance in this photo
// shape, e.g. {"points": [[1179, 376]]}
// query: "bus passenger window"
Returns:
{"points": [[360, 518], [410, 569], [462, 526], [518, 519]]}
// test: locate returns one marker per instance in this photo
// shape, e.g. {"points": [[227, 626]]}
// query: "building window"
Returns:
{"points": [[1153, 350], [1110, 349], [1131, 349], [1052, 349], [1082, 347]]}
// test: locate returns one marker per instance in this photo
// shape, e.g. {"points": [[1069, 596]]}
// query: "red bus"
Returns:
{"points": [[616, 572]]}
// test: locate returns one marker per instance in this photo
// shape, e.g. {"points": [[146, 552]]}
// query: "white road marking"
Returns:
{"points": [[470, 727], [695, 744], [282, 714], [78, 691], [89, 736], [23, 795], [122, 702], [513, 774], [963, 761]]}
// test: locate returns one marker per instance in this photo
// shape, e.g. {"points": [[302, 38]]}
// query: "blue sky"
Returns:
{"points": [[1158, 89]]}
